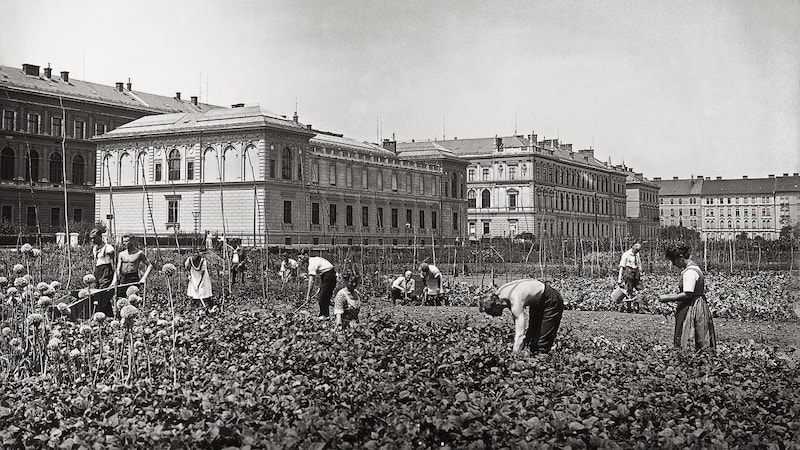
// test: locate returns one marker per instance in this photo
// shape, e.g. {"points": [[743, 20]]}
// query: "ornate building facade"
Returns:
{"points": [[41, 111], [269, 180]]}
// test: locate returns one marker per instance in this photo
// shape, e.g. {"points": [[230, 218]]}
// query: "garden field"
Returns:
{"points": [[264, 373]]}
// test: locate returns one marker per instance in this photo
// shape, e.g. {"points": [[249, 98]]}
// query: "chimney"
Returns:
{"points": [[795, 174], [744, 177], [699, 177], [129, 85], [65, 76], [455, 138], [30, 69], [308, 126], [194, 100], [391, 145], [48, 72], [295, 118], [772, 175], [241, 105], [412, 140], [656, 178], [498, 143], [178, 95], [786, 174], [119, 85], [719, 178], [674, 178]]}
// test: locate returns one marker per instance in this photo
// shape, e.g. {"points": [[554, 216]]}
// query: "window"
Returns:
{"points": [[172, 211], [455, 220], [286, 163], [365, 216], [410, 218], [433, 220], [158, 171], [9, 120], [55, 217], [8, 212], [485, 227], [99, 128], [55, 126], [394, 182], [485, 174], [55, 168], [190, 170], [332, 214], [332, 173], [409, 183], [379, 217], [77, 215], [471, 228], [486, 199], [210, 171], [422, 220], [287, 211], [78, 170], [471, 175], [272, 169], [349, 176], [364, 179], [32, 166], [7, 162], [315, 213], [30, 217], [79, 132], [315, 172], [512, 201], [395, 218], [471, 199], [33, 123], [512, 172], [380, 180], [348, 215], [174, 165]]}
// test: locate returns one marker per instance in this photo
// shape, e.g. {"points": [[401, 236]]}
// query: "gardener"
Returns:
{"points": [[403, 287], [432, 279], [129, 265], [694, 328], [322, 269], [104, 256], [199, 286], [630, 274], [238, 263], [347, 303], [546, 307], [288, 269]]}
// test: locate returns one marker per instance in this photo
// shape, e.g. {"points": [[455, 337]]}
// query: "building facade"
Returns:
{"points": [[641, 205], [680, 202], [47, 124], [269, 180], [518, 184]]}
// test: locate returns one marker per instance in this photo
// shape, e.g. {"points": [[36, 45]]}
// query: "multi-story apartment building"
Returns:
{"points": [[755, 207], [249, 173], [642, 200], [517, 184], [42, 112]]}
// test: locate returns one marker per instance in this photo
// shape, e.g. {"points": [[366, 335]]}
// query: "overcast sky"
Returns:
{"points": [[672, 88]]}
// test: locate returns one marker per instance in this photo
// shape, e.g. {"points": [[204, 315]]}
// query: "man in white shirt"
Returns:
{"points": [[403, 287], [432, 278], [630, 271], [288, 269], [319, 267]]}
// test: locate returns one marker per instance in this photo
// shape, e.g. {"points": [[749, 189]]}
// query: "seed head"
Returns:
{"points": [[26, 249], [89, 279], [132, 290], [99, 317], [18, 269], [35, 319], [168, 269]]}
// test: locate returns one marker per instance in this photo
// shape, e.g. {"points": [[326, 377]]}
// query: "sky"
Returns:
{"points": [[670, 88]]}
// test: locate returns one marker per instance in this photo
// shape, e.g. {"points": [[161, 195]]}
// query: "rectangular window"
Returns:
{"points": [[332, 174], [422, 184], [8, 212], [77, 215], [365, 216], [364, 179], [379, 218], [395, 218], [158, 172], [422, 219], [410, 218], [485, 174], [471, 228], [455, 220], [332, 214], [315, 214], [99, 128], [409, 183], [349, 176], [55, 217], [272, 168], [433, 220], [9, 120], [33, 123], [485, 227], [348, 215], [287, 211], [79, 129], [55, 126], [380, 180], [30, 217], [512, 202], [394, 182], [190, 170], [172, 211], [287, 241], [315, 172], [471, 175], [512, 173]]}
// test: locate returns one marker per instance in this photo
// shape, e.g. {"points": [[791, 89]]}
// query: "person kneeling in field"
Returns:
{"points": [[546, 307], [347, 303], [403, 287]]}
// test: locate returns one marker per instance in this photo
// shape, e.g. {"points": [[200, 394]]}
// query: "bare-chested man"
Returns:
{"points": [[546, 307], [129, 264]]}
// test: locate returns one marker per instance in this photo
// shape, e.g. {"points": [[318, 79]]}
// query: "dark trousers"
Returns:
{"points": [[104, 275], [544, 320], [126, 278], [327, 283], [397, 294]]}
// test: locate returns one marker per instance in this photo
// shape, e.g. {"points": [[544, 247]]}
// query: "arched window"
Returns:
{"points": [[78, 170], [286, 163], [486, 199], [55, 168], [126, 170], [174, 165], [471, 199], [7, 162], [232, 165], [250, 163], [210, 166], [141, 168], [108, 171], [32, 166]]}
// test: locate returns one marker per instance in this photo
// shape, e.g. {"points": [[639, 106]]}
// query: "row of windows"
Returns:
{"points": [[352, 175], [486, 199], [33, 125], [765, 223], [736, 212], [510, 174], [333, 216], [31, 216], [550, 173], [736, 200], [579, 203], [8, 166]]}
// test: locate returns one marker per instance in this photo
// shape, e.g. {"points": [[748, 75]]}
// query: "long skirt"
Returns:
{"points": [[694, 328], [544, 320]]}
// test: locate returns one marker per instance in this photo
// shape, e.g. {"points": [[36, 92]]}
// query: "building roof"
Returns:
{"points": [[787, 183], [479, 146], [424, 150], [347, 144], [15, 78], [632, 178], [680, 187], [214, 119], [750, 186]]}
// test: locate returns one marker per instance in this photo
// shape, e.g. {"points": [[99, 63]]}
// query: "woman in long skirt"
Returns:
{"points": [[199, 286], [694, 328]]}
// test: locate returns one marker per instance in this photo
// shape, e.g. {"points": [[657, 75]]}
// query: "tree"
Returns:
{"points": [[786, 232], [679, 233]]}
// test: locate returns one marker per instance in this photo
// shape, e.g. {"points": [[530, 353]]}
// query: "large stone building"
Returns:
{"points": [[518, 184], [252, 174], [642, 200], [726, 208], [40, 112]]}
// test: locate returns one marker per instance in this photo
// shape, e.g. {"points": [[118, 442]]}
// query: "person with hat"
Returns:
{"points": [[545, 308], [129, 265], [104, 258], [432, 279], [403, 287], [321, 269]]}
